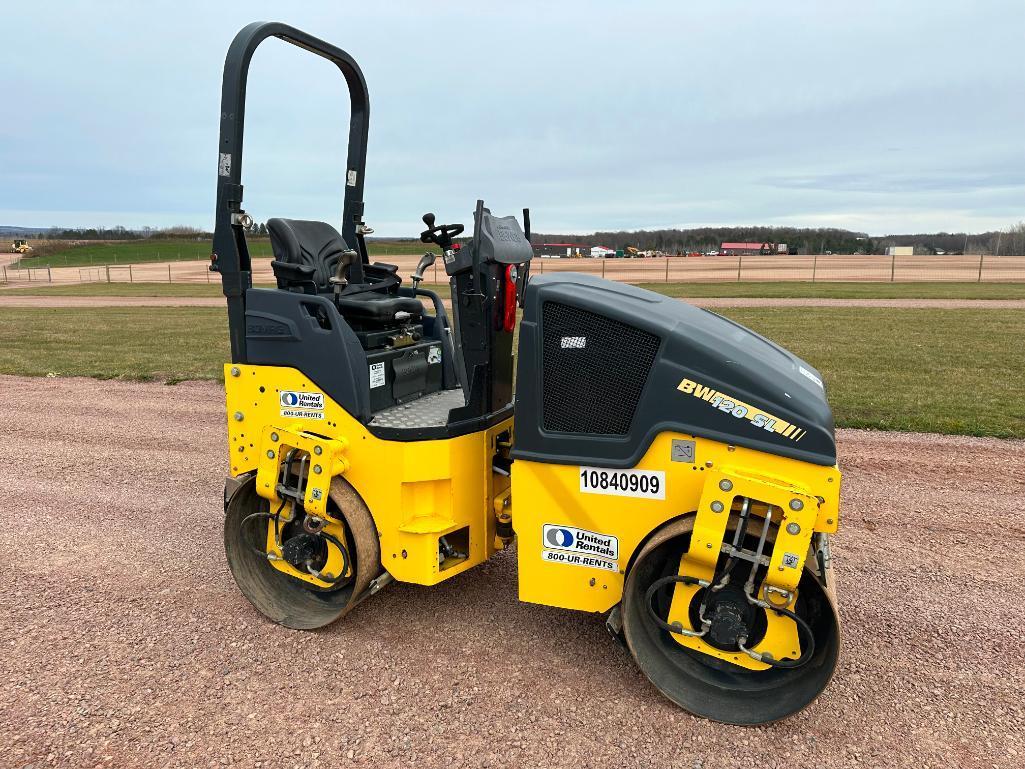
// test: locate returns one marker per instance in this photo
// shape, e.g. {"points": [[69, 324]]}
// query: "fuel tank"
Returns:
{"points": [[604, 367]]}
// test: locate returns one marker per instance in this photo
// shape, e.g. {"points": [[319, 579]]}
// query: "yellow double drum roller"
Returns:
{"points": [[672, 471]]}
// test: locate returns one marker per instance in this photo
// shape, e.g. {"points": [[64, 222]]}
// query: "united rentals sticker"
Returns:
{"points": [[302, 405], [740, 410], [579, 547]]}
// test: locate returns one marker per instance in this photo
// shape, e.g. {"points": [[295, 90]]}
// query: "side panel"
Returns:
{"points": [[417, 491], [283, 329], [568, 564]]}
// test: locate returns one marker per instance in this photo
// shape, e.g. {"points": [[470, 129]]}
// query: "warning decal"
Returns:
{"points": [[377, 376]]}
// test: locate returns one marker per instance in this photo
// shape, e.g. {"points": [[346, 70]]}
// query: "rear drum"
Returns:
{"points": [[284, 599]]}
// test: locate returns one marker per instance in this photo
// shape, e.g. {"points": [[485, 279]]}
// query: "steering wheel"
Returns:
{"points": [[441, 234]]}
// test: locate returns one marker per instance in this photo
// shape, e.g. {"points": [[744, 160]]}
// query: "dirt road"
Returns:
{"points": [[211, 301], [126, 644]]}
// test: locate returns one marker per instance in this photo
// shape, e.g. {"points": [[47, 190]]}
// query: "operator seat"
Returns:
{"points": [[306, 256], [307, 243]]}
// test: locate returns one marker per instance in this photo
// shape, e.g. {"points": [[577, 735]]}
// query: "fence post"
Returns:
{"points": [[5, 274], [542, 266], [980, 268], [130, 274], [168, 272], [814, 267], [667, 269], [435, 272], [893, 266], [108, 273], [49, 275], [740, 261], [603, 266]]}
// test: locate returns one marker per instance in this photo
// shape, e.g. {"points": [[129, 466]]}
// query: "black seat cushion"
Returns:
{"points": [[312, 244], [375, 308]]}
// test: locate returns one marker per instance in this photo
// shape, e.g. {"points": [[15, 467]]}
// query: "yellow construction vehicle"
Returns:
{"points": [[20, 247], [672, 471]]}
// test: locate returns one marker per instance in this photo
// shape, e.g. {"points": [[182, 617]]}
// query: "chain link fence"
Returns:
{"points": [[706, 269]]}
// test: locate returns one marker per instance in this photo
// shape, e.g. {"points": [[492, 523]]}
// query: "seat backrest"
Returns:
{"points": [[313, 244]]}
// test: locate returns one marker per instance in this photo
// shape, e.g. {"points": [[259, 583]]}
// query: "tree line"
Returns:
{"points": [[806, 240], [123, 233], [256, 229]]}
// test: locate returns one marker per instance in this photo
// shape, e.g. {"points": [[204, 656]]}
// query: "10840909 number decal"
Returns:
{"points": [[646, 484]]}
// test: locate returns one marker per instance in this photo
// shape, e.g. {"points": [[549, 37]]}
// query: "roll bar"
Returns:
{"points": [[230, 255]]}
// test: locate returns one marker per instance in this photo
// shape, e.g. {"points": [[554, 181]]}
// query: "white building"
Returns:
{"points": [[900, 250]]}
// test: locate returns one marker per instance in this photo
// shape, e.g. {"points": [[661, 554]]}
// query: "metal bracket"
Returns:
{"points": [[321, 460]]}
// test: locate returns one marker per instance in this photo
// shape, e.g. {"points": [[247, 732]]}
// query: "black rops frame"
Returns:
{"points": [[231, 255]]}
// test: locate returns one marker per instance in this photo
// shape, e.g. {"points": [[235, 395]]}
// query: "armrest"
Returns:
{"points": [[291, 275]]}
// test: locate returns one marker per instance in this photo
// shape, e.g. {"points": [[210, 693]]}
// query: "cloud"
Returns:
{"points": [[596, 115]]}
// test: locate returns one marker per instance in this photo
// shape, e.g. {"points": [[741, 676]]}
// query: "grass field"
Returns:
{"points": [[807, 290], [143, 289], [139, 251], [949, 371], [697, 290]]}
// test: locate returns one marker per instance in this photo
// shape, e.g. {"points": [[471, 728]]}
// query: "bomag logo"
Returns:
{"points": [[728, 404], [267, 329]]}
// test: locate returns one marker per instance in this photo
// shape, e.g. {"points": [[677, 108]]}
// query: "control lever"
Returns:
{"points": [[341, 276], [425, 261]]}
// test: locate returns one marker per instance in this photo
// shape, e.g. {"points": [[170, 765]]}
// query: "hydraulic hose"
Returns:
{"points": [[676, 627], [803, 629], [345, 558], [273, 516]]}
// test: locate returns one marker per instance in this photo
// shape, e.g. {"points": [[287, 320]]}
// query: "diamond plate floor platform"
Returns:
{"points": [[428, 411]]}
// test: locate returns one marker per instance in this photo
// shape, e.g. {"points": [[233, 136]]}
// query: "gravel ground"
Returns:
{"points": [[126, 643], [212, 301]]}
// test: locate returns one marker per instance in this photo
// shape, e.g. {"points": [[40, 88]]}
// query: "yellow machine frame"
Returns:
{"points": [[419, 491]]}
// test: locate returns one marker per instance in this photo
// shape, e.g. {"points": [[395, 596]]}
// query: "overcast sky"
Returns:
{"points": [[876, 116]]}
